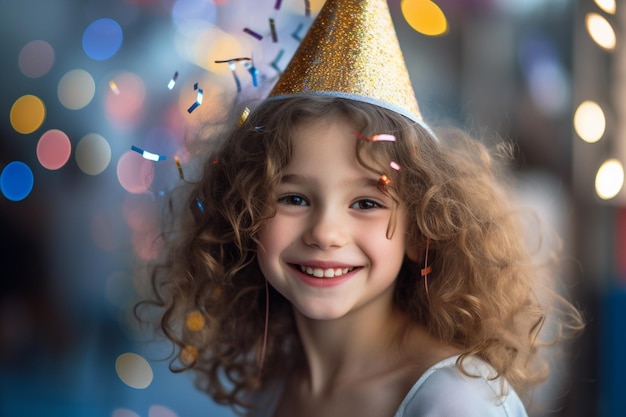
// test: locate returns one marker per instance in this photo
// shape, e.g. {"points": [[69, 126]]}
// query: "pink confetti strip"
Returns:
{"points": [[253, 33], [394, 165]]}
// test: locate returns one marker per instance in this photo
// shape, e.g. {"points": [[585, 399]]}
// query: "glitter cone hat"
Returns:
{"points": [[351, 51]]}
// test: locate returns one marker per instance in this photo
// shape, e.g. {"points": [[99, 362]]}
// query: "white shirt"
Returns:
{"points": [[444, 391]]}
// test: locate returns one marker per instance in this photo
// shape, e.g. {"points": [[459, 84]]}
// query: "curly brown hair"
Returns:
{"points": [[480, 297]]}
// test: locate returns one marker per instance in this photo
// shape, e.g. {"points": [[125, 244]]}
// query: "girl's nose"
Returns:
{"points": [[326, 230]]}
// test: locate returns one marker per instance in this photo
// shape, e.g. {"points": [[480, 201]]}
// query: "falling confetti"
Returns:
{"points": [[148, 155], [172, 82], [274, 63], [253, 34], [114, 88], [273, 29], [394, 165], [296, 33], [198, 99], [244, 116]]}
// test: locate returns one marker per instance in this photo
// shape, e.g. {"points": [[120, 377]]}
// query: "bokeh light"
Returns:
{"points": [[93, 154], [425, 17], [161, 411], [601, 31], [589, 121], [124, 412], [134, 173], [609, 179], [16, 181], [191, 16], [125, 107], [76, 89], [608, 6], [27, 114], [140, 213], [53, 149], [102, 39], [134, 370], [36, 59]]}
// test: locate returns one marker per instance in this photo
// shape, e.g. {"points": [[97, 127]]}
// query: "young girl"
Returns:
{"points": [[337, 258]]}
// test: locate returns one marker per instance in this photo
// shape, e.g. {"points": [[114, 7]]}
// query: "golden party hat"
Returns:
{"points": [[351, 51]]}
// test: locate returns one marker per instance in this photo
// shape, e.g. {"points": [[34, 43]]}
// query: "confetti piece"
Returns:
{"points": [[273, 29], [180, 168], [226, 61], [195, 86], [148, 155], [189, 355], [307, 8], [198, 100], [274, 63], [199, 204], [253, 33], [253, 72], [277, 4], [394, 165], [215, 160], [195, 321], [113, 87], [244, 116], [232, 67], [296, 33], [383, 182], [375, 138], [172, 82]]}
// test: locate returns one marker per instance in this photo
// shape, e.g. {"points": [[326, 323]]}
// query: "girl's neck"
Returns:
{"points": [[341, 351]]}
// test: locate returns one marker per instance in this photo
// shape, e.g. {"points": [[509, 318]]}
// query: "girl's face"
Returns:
{"points": [[326, 249]]}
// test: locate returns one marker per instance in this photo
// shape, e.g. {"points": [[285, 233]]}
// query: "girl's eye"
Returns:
{"points": [[293, 200], [366, 205]]}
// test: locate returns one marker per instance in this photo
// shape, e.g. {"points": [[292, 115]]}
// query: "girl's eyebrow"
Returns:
{"points": [[358, 182]]}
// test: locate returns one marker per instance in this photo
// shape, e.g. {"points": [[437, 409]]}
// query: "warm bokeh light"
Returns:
{"points": [[93, 154], [134, 173], [589, 121], [16, 181], [134, 370], [36, 58], [608, 6], [54, 149], [125, 108], [76, 89], [425, 17], [601, 31], [609, 179], [102, 39], [27, 114]]}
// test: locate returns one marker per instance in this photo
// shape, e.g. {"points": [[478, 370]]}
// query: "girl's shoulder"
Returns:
{"points": [[444, 390]]}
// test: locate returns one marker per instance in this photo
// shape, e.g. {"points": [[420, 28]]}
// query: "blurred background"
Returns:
{"points": [[98, 98]]}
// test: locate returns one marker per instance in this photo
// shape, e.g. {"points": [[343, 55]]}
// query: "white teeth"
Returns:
{"points": [[325, 273]]}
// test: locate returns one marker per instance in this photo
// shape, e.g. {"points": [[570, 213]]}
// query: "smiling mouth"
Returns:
{"points": [[325, 272]]}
